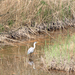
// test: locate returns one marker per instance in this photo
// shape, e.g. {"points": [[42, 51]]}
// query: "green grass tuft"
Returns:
{"points": [[61, 50]]}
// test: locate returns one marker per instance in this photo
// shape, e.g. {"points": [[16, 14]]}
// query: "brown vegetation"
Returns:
{"points": [[22, 17], [26, 12]]}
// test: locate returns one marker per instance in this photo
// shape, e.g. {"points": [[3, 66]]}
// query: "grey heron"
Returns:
{"points": [[31, 49]]}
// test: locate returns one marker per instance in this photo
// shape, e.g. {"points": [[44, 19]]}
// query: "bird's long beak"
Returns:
{"points": [[37, 42]]}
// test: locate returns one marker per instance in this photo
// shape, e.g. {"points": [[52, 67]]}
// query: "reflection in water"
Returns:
{"points": [[14, 60], [31, 63], [20, 64]]}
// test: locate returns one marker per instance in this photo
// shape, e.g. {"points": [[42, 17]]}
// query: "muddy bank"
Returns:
{"points": [[26, 32]]}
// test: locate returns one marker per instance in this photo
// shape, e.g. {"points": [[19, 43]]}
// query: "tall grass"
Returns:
{"points": [[61, 50], [22, 12]]}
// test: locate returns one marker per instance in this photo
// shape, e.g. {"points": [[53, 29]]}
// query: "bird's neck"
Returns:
{"points": [[34, 45]]}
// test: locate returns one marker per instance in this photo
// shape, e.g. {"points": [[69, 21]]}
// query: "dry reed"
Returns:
{"points": [[25, 12]]}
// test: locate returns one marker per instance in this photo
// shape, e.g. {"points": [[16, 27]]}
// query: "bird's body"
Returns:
{"points": [[31, 49]]}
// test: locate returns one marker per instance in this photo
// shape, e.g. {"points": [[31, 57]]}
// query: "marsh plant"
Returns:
{"points": [[36, 11], [61, 51]]}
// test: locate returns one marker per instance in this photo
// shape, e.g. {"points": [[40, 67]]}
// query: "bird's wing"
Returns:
{"points": [[30, 50]]}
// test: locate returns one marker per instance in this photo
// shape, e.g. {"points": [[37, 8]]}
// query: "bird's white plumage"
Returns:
{"points": [[31, 49]]}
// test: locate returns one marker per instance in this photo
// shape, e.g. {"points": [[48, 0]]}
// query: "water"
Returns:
{"points": [[15, 61]]}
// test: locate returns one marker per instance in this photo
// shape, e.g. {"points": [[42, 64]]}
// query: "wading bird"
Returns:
{"points": [[31, 49]]}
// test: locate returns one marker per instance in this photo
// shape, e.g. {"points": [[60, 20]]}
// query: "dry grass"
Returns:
{"points": [[22, 12], [61, 53]]}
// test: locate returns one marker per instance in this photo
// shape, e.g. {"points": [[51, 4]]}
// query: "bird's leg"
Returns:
{"points": [[35, 53], [30, 54]]}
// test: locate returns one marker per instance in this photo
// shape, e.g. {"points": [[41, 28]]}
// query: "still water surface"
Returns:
{"points": [[15, 61]]}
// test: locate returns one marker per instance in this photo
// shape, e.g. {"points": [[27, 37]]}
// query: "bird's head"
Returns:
{"points": [[35, 42]]}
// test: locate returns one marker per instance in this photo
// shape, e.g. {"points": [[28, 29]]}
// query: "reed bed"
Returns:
{"points": [[61, 55], [14, 13]]}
